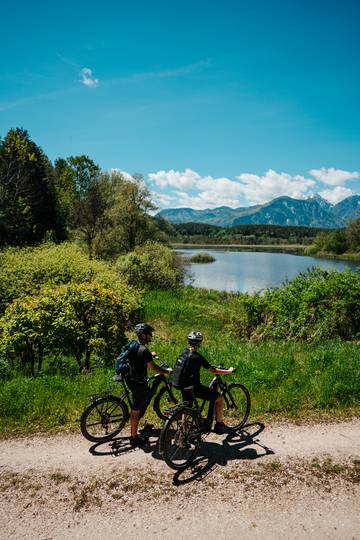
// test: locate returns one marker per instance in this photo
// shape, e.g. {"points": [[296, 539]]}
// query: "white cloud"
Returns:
{"points": [[175, 179], [87, 78], [261, 189], [165, 201], [187, 188], [205, 199], [333, 177], [211, 192], [336, 195]]}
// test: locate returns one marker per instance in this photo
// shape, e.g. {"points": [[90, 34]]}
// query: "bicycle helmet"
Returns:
{"points": [[143, 328], [195, 337]]}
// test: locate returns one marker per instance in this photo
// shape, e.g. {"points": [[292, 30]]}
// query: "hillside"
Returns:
{"points": [[312, 212]]}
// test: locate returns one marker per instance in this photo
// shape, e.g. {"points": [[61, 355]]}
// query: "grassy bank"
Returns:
{"points": [[347, 256], [292, 379]]}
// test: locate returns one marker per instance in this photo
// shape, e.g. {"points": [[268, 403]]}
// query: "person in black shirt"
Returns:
{"points": [[192, 379], [137, 382]]}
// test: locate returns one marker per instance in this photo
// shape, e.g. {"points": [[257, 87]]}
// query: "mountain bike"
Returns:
{"points": [[107, 414], [181, 436]]}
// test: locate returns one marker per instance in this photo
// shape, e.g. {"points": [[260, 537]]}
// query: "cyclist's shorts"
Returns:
{"points": [[200, 391], [141, 395]]}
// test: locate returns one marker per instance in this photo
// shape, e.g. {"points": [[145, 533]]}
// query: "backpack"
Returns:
{"points": [[180, 371], [123, 362]]}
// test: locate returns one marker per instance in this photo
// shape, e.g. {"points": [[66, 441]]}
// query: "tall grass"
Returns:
{"points": [[291, 379]]}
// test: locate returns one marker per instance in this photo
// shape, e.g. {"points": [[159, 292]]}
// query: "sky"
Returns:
{"points": [[216, 103]]}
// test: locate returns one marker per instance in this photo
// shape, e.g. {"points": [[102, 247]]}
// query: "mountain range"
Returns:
{"points": [[311, 212]]}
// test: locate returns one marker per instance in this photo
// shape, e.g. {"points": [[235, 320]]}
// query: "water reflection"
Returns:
{"points": [[248, 271]]}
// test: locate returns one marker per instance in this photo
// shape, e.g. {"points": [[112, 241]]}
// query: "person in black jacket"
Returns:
{"points": [[191, 386], [137, 382]]}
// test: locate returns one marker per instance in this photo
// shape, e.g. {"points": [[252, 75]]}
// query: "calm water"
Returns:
{"points": [[248, 271]]}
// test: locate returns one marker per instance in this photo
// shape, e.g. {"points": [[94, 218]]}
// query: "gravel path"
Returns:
{"points": [[282, 481]]}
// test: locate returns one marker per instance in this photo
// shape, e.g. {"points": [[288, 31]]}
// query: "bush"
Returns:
{"points": [[316, 305], [201, 258], [26, 271], [151, 265], [76, 319]]}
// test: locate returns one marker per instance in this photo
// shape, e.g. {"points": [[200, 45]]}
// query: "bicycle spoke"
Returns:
{"points": [[237, 405]]}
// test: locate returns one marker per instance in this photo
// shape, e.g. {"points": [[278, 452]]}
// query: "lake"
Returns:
{"points": [[248, 271]]}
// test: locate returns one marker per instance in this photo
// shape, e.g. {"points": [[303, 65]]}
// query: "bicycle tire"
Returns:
{"points": [[237, 405], [164, 400], [180, 446], [108, 412]]}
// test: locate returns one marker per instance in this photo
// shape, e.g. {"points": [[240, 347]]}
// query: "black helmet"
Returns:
{"points": [[195, 337], [143, 328]]}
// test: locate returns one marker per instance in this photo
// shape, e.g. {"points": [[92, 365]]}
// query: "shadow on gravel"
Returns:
{"points": [[121, 445], [239, 445], [234, 447]]}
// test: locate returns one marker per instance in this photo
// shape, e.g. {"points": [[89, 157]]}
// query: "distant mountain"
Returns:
{"points": [[312, 212], [348, 209]]}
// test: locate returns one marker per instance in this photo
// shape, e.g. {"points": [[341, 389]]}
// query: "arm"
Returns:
{"points": [[158, 369], [220, 371], [215, 370]]}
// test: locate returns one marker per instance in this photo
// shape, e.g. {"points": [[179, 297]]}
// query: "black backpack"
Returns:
{"points": [[123, 362], [180, 376]]}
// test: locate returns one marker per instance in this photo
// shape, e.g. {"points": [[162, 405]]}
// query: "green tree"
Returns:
{"points": [[28, 204], [83, 191], [353, 235], [80, 320], [128, 222]]}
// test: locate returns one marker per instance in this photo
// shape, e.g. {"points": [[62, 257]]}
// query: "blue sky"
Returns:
{"points": [[231, 102]]}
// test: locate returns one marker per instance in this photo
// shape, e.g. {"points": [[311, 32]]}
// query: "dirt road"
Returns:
{"points": [[280, 481]]}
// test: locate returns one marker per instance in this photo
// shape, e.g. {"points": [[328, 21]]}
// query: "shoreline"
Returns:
{"points": [[296, 249], [292, 249]]}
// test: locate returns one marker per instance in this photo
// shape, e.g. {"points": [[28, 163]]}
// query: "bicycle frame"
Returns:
{"points": [[216, 383], [126, 395]]}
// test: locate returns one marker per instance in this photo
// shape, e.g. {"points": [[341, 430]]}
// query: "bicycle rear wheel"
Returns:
{"points": [[103, 419], [237, 405], [164, 400], [180, 439]]}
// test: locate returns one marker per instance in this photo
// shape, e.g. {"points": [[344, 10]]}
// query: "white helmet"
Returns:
{"points": [[194, 338]]}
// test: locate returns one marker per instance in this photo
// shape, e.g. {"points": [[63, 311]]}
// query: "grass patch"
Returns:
{"points": [[293, 379]]}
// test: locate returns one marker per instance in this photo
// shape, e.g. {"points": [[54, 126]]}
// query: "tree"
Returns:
{"points": [[128, 223], [28, 205], [353, 235], [83, 191], [81, 320]]}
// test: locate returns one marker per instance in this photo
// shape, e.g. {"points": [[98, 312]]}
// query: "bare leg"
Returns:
{"points": [[219, 409], [134, 422]]}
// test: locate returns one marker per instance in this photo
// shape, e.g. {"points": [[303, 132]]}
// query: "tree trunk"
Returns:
{"points": [[78, 356], [40, 357], [87, 360]]}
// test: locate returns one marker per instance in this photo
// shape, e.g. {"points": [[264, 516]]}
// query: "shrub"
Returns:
{"points": [[76, 319], [316, 305], [201, 258], [151, 265], [26, 271]]}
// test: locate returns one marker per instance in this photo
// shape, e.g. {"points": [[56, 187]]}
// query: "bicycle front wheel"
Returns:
{"points": [[237, 405], [103, 419], [164, 401], [180, 439]]}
